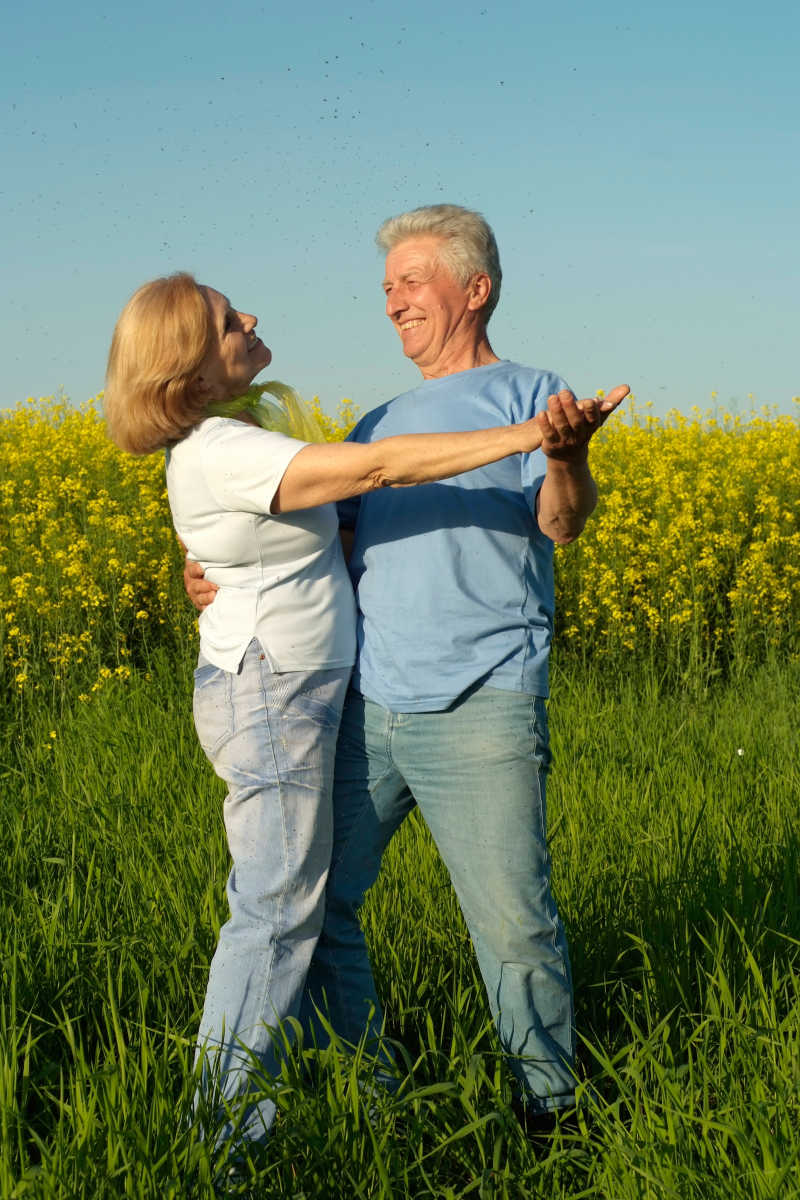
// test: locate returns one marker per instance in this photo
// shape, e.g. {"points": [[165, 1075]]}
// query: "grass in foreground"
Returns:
{"points": [[674, 856]]}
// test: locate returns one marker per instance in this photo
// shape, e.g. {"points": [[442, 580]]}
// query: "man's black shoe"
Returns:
{"points": [[540, 1125]]}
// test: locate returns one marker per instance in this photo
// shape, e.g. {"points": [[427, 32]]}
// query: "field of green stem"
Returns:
{"points": [[674, 812]]}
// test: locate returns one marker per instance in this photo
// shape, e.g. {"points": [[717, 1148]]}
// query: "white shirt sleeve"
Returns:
{"points": [[243, 465]]}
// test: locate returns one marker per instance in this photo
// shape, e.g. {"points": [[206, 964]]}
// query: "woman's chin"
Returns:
{"points": [[261, 354], [258, 371]]}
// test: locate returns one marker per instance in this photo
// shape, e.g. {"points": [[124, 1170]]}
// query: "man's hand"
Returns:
{"points": [[568, 423], [568, 494], [198, 589]]}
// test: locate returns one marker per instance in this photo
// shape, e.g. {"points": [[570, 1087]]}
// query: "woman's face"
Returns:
{"points": [[236, 355]]}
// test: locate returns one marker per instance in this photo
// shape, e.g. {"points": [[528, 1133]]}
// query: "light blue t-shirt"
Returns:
{"points": [[454, 580]]}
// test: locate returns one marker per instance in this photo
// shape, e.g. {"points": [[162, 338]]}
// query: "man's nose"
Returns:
{"points": [[395, 302]]}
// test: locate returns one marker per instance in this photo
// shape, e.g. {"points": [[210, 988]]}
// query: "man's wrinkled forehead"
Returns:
{"points": [[415, 256]]}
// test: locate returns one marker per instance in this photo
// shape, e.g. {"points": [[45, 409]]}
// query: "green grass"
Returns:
{"points": [[675, 867]]}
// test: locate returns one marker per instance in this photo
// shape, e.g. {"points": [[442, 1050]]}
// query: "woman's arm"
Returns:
{"points": [[321, 473]]}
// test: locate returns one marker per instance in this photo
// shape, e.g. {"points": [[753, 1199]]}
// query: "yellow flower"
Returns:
{"points": [[696, 540]]}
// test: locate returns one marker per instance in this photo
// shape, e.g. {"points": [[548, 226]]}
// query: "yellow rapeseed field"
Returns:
{"points": [[694, 552], [87, 554], [693, 555]]}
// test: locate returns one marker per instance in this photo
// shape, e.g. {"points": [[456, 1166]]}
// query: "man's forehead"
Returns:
{"points": [[413, 254]]}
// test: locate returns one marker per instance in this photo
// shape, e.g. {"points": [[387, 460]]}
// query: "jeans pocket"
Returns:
{"points": [[316, 710], [314, 696], [212, 707]]}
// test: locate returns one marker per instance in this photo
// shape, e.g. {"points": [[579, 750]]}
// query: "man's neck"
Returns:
{"points": [[476, 353]]}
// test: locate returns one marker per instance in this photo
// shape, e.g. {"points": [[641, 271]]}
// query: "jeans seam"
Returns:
{"points": [[368, 803], [280, 799], [543, 768]]}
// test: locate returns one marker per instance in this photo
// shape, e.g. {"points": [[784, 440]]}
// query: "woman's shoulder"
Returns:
{"points": [[213, 435], [190, 459], [228, 432]]}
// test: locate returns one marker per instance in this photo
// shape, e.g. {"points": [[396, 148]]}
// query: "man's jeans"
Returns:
{"points": [[477, 772], [272, 739]]}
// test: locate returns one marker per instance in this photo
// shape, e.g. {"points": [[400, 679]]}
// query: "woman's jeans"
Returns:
{"points": [[477, 772], [272, 738]]}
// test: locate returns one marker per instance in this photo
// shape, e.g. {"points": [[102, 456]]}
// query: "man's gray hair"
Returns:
{"points": [[468, 245]]}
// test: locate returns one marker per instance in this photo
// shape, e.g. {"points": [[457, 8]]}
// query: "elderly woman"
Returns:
{"points": [[255, 507]]}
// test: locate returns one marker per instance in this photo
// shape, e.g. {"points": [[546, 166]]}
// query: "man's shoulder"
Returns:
{"points": [[522, 375], [496, 393], [506, 389], [505, 373]]}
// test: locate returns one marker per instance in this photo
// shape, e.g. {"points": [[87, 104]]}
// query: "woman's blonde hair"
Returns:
{"points": [[162, 337]]}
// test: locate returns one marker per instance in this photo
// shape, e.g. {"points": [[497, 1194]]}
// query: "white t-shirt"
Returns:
{"points": [[282, 579]]}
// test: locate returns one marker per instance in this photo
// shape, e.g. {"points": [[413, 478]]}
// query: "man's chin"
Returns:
{"points": [[409, 349]]}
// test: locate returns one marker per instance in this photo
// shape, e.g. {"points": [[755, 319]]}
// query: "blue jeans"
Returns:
{"points": [[272, 738], [477, 772]]}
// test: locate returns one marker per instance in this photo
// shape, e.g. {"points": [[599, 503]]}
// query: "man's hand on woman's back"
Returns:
{"points": [[198, 589]]}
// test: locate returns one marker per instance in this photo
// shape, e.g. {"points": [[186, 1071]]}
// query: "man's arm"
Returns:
{"points": [[199, 591], [568, 494]]}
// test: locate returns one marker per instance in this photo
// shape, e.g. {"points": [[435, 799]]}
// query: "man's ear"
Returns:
{"points": [[479, 288]]}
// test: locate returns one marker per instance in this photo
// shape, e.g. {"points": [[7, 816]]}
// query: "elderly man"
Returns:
{"points": [[454, 583]]}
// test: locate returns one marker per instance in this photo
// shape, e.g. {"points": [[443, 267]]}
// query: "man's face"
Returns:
{"points": [[427, 306]]}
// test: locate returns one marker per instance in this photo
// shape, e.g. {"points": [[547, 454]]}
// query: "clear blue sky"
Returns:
{"points": [[640, 164]]}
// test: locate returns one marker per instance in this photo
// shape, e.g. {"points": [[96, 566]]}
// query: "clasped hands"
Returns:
{"points": [[568, 423]]}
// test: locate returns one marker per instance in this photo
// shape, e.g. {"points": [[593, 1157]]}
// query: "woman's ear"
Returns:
{"points": [[201, 390]]}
